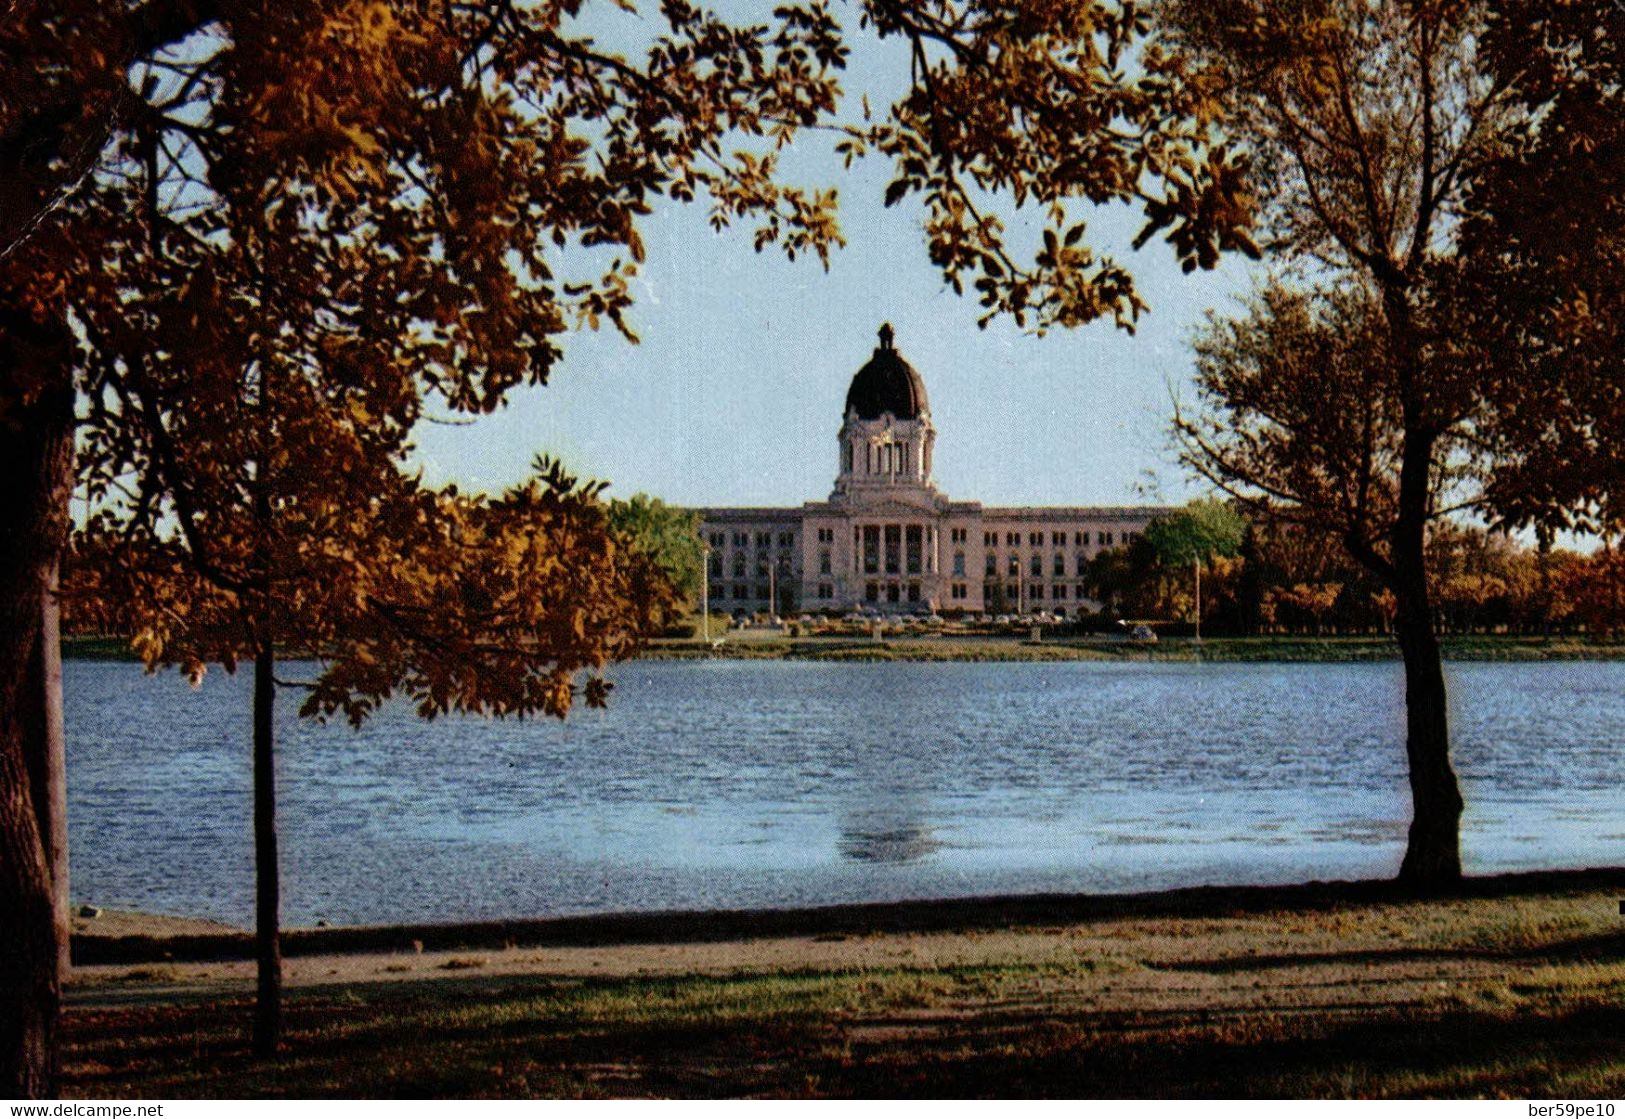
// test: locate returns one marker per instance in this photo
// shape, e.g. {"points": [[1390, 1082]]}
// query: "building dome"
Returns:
{"points": [[887, 383]]}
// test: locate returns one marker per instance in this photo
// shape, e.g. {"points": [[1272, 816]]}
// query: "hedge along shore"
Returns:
{"points": [[1515, 985]]}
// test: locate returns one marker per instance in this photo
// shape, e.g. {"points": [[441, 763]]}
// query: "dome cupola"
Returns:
{"points": [[886, 435], [887, 384]]}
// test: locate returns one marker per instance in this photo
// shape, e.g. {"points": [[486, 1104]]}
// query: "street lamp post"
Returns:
{"points": [[705, 592], [1198, 566]]}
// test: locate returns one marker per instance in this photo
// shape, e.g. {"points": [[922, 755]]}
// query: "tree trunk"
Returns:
{"points": [[267, 925], [1433, 848], [42, 719], [36, 479]]}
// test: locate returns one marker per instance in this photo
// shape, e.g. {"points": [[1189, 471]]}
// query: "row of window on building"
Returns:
{"points": [[891, 551], [1035, 566], [897, 592], [763, 539], [1080, 539]]}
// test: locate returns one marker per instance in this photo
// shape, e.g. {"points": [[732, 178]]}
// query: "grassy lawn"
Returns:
{"points": [[1519, 994]]}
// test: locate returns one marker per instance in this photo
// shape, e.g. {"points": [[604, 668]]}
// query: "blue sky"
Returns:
{"points": [[734, 395]]}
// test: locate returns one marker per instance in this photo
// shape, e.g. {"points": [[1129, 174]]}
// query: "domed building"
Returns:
{"points": [[888, 540]]}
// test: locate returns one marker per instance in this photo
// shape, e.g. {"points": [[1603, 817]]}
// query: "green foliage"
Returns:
{"points": [[667, 536], [1203, 529]]}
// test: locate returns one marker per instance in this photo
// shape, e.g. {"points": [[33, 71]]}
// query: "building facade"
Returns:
{"points": [[889, 541]]}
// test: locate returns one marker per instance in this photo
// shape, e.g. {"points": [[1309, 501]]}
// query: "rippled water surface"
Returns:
{"points": [[733, 783]]}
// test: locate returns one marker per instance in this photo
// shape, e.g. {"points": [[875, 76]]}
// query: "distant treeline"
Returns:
{"points": [[1286, 579]]}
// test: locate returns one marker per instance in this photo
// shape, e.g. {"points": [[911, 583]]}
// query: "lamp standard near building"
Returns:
{"points": [[705, 592], [1198, 566]]}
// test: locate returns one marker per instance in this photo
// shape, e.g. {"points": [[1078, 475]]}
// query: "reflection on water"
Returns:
{"points": [[880, 836], [774, 784]]}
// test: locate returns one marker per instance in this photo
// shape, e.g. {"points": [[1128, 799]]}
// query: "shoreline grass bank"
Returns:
{"points": [[760, 645], [1513, 986], [1290, 650]]}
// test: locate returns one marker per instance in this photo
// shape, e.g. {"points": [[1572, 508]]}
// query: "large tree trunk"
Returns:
{"points": [[42, 717], [267, 923], [1433, 848], [36, 425]]}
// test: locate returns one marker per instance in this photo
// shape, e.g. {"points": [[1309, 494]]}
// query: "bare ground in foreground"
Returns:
{"points": [[1516, 987]]}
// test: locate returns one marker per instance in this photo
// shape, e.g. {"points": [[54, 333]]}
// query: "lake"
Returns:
{"points": [[750, 784]]}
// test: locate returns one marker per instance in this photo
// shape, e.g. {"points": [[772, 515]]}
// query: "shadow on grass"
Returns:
{"points": [[814, 1035], [1598, 948]]}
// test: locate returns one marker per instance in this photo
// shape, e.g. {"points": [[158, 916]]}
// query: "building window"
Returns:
{"points": [[786, 539], [1079, 539], [992, 565], [741, 540], [716, 539], [719, 590], [1012, 539], [1057, 539], [1037, 566], [1060, 564], [871, 549], [763, 592], [1035, 539], [990, 539], [913, 549], [825, 590], [1083, 591], [826, 536], [1082, 565], [1058, 592], [871, 592], [914, 592], [714, 567], [739, 567], [1037, 591], [741, 590], [959, 564], [761, 567], [894, 593], [894, 548], [1015, 567], [958, 590], [823, 562]]}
